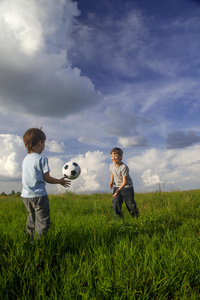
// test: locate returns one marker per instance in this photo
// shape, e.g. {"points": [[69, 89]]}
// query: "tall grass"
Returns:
{"points": [[87, 254]]}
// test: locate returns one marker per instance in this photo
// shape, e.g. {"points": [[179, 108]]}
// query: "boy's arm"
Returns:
{"points": [[111, 180], [53, 180], [122, 185]]}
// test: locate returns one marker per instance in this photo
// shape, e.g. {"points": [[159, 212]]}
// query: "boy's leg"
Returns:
{"points": [[117, 204], [42, 215], [128, 197], [30, 224]]}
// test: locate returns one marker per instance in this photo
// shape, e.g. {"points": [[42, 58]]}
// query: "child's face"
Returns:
{"points": [[116, 158]]}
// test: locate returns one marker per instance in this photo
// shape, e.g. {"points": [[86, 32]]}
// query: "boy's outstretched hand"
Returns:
{"points": [[64, 182]]}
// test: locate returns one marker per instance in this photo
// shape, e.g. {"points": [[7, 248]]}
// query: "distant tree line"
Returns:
{"points": [[11, 194]]}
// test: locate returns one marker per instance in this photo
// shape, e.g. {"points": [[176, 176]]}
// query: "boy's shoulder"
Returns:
{"points": [[34, 157], [123, 165]]}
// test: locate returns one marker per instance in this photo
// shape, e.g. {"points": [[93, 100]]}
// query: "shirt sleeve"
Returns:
{"points": [[125, 170], [44, 165]]}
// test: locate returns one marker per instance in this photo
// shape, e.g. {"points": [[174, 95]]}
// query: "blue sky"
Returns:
{"points": [[100, 74]]}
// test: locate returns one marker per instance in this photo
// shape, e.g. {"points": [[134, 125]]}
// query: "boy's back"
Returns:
{"points": [[35, 172], [33, 167]]}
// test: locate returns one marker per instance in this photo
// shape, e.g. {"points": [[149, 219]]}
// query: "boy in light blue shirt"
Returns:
{"points": [[34, 166], [35, 174]]}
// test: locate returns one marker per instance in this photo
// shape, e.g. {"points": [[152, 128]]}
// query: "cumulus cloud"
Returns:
{"points": [[11, 153], [36, 76], [177, 168], [181, 139], [94, 177], [53, 146], [174, 169], [95, 173], [132, 142], [150, 179]]}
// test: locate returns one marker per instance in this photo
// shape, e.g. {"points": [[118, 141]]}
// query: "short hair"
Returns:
{"points": [[117, 150], [32, 137]]}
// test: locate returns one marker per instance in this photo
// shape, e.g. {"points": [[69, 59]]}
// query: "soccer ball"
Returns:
{"points": [[71, 170]]}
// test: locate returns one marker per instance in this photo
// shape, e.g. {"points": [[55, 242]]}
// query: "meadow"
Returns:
{"points": [[88, 254]]}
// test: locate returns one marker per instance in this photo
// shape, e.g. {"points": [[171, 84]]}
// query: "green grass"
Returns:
{"points": [[87, 254]]}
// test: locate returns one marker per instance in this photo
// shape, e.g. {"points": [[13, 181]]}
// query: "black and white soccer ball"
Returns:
{"points": [[71, 170]]}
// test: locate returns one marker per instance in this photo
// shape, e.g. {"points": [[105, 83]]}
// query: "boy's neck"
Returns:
{"points": [[36, 149], [34, 152], [118, 164]]}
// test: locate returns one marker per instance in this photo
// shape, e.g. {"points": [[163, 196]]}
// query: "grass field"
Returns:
{"points": [[90, 255]]}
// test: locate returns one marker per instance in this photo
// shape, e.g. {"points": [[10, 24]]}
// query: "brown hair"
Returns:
{"points": [[32, 137], [117, 150]]}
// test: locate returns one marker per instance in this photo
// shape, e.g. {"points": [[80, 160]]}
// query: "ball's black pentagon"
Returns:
{"points": [[75, 164], [66, 167], [73, 172]]}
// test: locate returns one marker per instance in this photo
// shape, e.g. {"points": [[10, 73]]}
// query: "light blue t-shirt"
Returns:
{"points": [[33, 167]]}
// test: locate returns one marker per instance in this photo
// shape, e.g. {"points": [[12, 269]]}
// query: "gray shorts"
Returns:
{"points": [[39, 214]]}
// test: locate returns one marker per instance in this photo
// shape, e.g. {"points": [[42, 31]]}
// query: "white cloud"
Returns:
{"points": [[53, 146], [132, 142], [94, 177], [95, 174], [150, 179], [176, 168], [32, 26], [20, 21], [11, 153], [42, 79], [94, 171]]}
